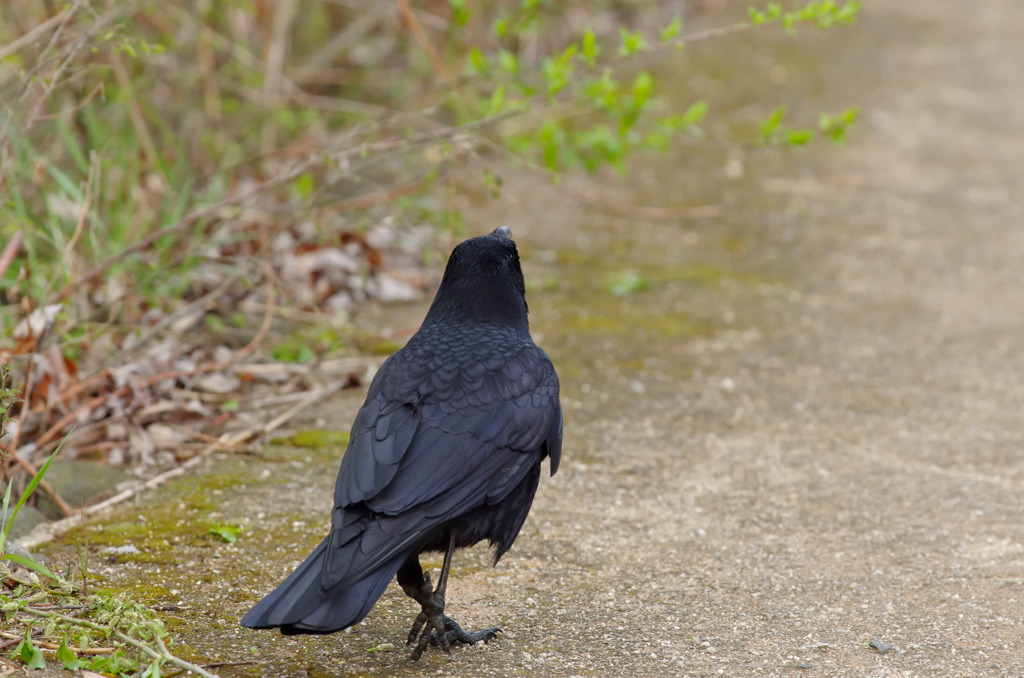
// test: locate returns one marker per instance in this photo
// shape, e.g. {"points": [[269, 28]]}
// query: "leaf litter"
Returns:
{"points": [[153, 389]]}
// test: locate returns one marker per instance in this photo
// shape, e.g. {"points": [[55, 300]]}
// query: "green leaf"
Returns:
{"points": [[631, 42], [847, 14], [643, 87], [673, 29], [551, 138], [115, 663], [460, 15], [835, 126], [656, 140], [695, 113], [598, 146], [508, 62], [228, 533], [603, 91], [770, 125], [799, 137], [68, 658], [628, 282], [558, 71], [476, 64], [154, 670], [29, 653], [304, 185], [589, 48], [500, 27], [293, 352], [497, 102]]}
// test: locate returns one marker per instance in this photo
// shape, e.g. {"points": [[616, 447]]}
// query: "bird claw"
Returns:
{"points": [[430, 622], [456, 634], [438, 629], [429, 635], [442, 631], [432, 625]]}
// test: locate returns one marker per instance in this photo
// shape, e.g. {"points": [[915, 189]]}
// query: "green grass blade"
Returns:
{"points": [[3, 521], [33, 484], [30, 564]]}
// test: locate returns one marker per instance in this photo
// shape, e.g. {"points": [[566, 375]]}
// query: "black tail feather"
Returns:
{"points": [[298, 605]]}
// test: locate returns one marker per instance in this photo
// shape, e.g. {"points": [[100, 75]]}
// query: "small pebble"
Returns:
{"points": [[880, 646]]}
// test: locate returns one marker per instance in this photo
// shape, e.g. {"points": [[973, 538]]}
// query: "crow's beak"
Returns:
{"points": [[503, 232]]}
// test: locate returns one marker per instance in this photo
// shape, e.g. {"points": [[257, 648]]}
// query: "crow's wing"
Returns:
{"points": [[447, 427], [459, 438]]}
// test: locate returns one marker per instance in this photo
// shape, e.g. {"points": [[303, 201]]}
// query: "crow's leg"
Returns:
{"points": [[440, 629], [416, 584]]}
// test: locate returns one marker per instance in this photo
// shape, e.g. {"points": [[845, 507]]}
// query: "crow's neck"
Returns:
{"points": [[506, 308]]}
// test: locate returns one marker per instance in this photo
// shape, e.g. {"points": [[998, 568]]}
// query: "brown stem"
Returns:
{"points": [[10, 251], [425, 44], [12, 449]]}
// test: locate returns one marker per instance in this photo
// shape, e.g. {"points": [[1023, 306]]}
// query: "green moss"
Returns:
{"points": [[381, 347], [317, 438], [630, 321]]}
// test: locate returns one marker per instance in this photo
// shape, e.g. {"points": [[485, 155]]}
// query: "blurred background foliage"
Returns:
{"points": [[133, 130], [179, 176]]}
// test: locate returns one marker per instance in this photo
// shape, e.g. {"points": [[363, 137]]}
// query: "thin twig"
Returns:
{"points": [[53, 79], [368, 200], [10, 250], [52, 646], [296, 171], [91, 404], [205, 368], [16, 641], [203, 303], [313, 397], [49, 531], [84, 215], [189, 220], [47, 487], [12, 447], [33, 34], [78, 106], [277, 51], [124, 81], [424, 41], [87, 384]]}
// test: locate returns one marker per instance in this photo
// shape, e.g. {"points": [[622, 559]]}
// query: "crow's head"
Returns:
{"points": [[483, 282]]}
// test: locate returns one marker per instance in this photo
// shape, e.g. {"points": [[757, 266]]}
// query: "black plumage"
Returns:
{"points": [[445, 452]]}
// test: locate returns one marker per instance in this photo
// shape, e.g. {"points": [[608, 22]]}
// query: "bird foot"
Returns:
{"points": [[449, 632], [456, 634], [434, 627]]}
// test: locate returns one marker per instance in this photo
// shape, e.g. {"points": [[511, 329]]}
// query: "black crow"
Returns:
{"points": [[445, 452]]}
